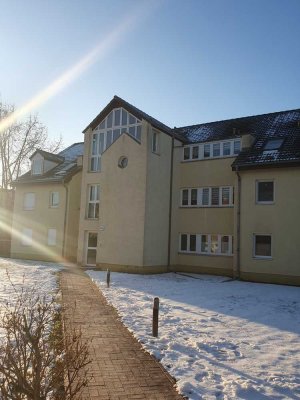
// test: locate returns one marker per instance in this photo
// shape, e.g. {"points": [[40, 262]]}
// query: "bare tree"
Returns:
{"points": [[39, 358], [18, 141]]}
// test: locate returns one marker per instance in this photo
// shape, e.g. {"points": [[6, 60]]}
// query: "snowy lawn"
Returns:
{"points": [[220, 339], [18, 274]]}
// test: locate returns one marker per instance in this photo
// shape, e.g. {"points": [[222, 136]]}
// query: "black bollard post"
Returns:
{"points": [[155, 317]]}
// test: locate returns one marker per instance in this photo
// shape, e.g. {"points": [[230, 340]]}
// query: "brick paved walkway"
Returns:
{"points": [[121, 369]]}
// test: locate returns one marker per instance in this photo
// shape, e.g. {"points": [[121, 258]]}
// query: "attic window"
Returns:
{"points": [[37, 167], [273, 144]]}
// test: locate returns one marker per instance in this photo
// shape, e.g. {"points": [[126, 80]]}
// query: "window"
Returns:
{"points": [[91, 248], [228, 148], [265, 192], [195, 152], [26, 237], [207, 197], [108, 131], [51, 237], [185, 197], [54, 199], [262, 246], [155, 139], [93, 201], [29, 201], [215, 196], [211, 244], [37, 167], [188, 243], [273, 144]]}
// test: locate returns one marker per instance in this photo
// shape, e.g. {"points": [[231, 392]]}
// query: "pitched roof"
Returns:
{"points": [[117, 102], [47, 155], [65, 169]]}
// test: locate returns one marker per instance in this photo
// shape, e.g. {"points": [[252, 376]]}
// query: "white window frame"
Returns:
{"points": [[26, 239], [254, 246], [93, 201], [29, 208], [209, 252], [211, 146], [51, 198], [256, 191], [52, 236], [87, 247]]}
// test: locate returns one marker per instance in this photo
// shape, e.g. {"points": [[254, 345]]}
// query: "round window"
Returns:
{"points": [[123, 162]]}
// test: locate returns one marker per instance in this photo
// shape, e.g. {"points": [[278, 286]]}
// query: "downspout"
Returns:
{"points": [[170, 204], [238, 227], [65, 218]]}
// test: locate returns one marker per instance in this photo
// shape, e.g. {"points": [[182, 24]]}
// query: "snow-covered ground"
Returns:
{"points": [[220, 339], [18, 274]]}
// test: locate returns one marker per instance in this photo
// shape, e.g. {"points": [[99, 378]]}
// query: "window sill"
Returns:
{"points": [[264, 203], [266, 258], [191, 253], [230, 206], [209, 158]]}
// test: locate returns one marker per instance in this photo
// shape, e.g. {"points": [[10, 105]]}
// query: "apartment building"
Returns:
{"points": [[46, 209], [219, 198]]}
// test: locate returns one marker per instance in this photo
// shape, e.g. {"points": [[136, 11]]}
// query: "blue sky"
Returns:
{"points": [[183, 62]]}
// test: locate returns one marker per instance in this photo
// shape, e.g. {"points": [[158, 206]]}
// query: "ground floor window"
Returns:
{"points": [[91, 248], [213, 244], [262, 246]]}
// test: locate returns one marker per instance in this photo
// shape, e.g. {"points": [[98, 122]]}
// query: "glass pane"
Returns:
{"points": [[236, 147], [225, 244], [124, 117], [195, 152], [132, 131], [265, 191], [109, 120], [194, 193], [183, 243], [91, 256], [102, 125], [225, 196], [216, 149], [263, 245], [117, 117], [226, 148], [186, 153], [185, 197], [204, 244], [214, 244], [132, 119], [206, 150], [116, 134], [139, 132], [192, 242], [95, 144], [97, 210], [124, 130], [92, 193], [108, 138], [205, 197], [101, 142], [215, 196], [92, 239], [273, 144], [154, 141], [91, 210]]}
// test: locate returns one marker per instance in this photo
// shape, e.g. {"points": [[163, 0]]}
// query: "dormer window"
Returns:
{"points": [[37, 167], [273, 144]]}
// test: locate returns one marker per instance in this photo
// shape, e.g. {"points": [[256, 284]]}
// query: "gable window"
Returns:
{"points": [[273, 144], [51, 237], [195, 152], [54, 199], [93, 201], [265, 192], [206, 150], [26, 237], [263, 246], [216, 150], [155, 140], [117, 122], [37, 167], [29, 201]]}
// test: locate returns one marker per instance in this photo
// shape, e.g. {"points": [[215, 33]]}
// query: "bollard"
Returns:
{"points": [[155, 317], [108, 278]]}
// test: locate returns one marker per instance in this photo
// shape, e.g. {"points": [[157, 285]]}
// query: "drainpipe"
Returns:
{"points": [[170, 205], [65, 218], [238, 227]]}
